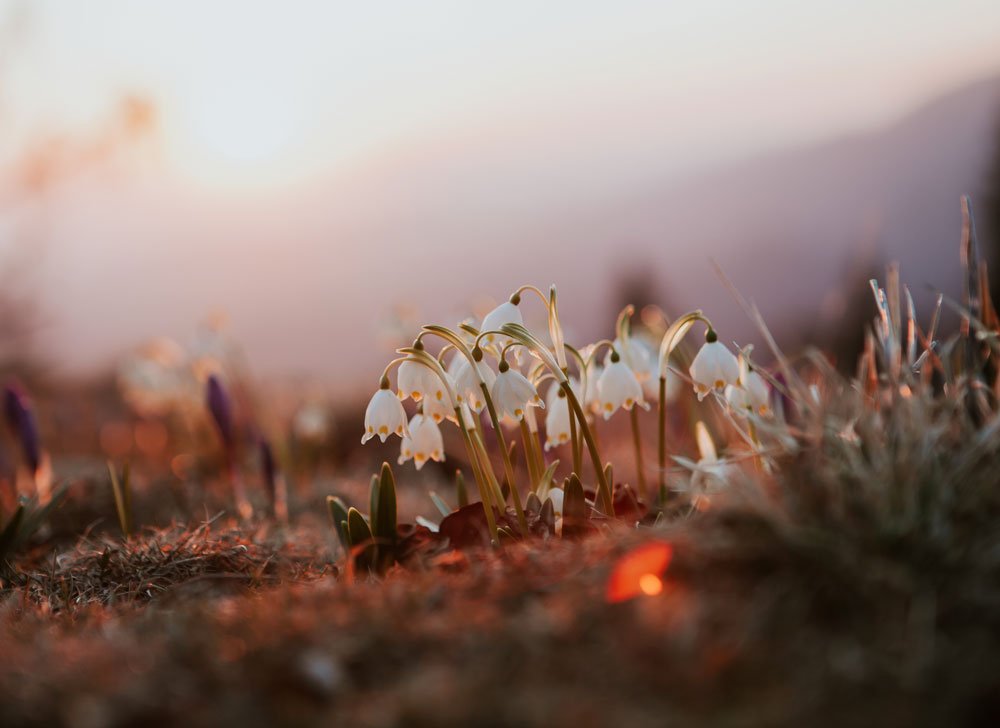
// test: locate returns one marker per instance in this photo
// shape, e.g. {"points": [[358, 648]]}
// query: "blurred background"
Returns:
{"points": [[314, 179]]}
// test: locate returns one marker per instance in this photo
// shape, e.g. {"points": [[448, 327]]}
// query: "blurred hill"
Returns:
{"points": [[310, 273], [791, 226]]}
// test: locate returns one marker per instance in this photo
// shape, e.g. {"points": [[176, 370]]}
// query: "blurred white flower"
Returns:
{"points": [[311, 422], [513, 394], [416, 381], [423, 442], [618, 387], [385, 416], [751, 394], [710, 473], [713, 367]]}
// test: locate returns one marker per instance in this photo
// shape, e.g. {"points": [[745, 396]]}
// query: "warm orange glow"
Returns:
{"points": [[650, 584], [639, 572]]}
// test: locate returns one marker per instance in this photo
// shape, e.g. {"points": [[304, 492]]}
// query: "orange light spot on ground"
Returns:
{"points": [[639, 572], [650, 584]]}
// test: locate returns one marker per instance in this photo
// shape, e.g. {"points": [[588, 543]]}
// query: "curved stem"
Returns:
{"points": [[529, 455], [575, 443], [637, 442], [661, 450], [479, 438], [522, 289]]}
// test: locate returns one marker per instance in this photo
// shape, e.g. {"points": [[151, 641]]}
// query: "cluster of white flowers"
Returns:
{"points": [[482, 369]]}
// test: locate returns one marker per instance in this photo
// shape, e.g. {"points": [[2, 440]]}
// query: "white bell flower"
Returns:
{"points": [[713, 367], [416, 381], [384, 416], [423, 443], [556, 421], [467, 383], [618, 387], [513, 394], [439, 409], [505, 313]]}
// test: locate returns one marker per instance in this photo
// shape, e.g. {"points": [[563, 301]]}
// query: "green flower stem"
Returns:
{"points": [[640, 466], [479, 438], [529, 455], [522, 522], [603, 487], [484, 493], [575, 443]]}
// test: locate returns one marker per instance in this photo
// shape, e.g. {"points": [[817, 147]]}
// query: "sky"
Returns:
{"points": [[321, 110]]}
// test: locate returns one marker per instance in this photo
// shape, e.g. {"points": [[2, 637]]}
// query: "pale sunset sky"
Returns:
{"points": [[287, 130]]}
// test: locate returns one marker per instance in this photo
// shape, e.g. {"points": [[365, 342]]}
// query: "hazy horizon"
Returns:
{"points": [[337, 162]]}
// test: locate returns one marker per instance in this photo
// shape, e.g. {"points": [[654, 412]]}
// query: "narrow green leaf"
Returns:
{"points": [[338, 516], [384, 525], [373, 499], [357, 527], [463, 494], [574, 502]]}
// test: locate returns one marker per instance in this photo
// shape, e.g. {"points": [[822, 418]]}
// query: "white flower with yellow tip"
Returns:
{"points": [[439, 409], [714, 367], [468, 383], [513, 394], [423, 442], [617, 387], [751, 394], [416, 381], [384, 416]]}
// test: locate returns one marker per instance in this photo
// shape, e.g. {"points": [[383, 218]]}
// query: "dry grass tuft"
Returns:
{"points": [[163, 562]]}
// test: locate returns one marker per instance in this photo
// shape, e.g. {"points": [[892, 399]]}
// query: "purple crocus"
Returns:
{"points": [[221, 408], [21, 420]]}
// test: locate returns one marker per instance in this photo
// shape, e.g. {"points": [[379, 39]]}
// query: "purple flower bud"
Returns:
{"points": [[222, 411], [21, 420]]}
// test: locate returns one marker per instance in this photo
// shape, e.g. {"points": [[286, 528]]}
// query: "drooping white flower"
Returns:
{"points": [[384, 416], [423, 443], [513, 394], [618, 387], [439, 409], [416, 381], [751, 394], [468, 383], [506, 313], [713, 367], [556, 420]]}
